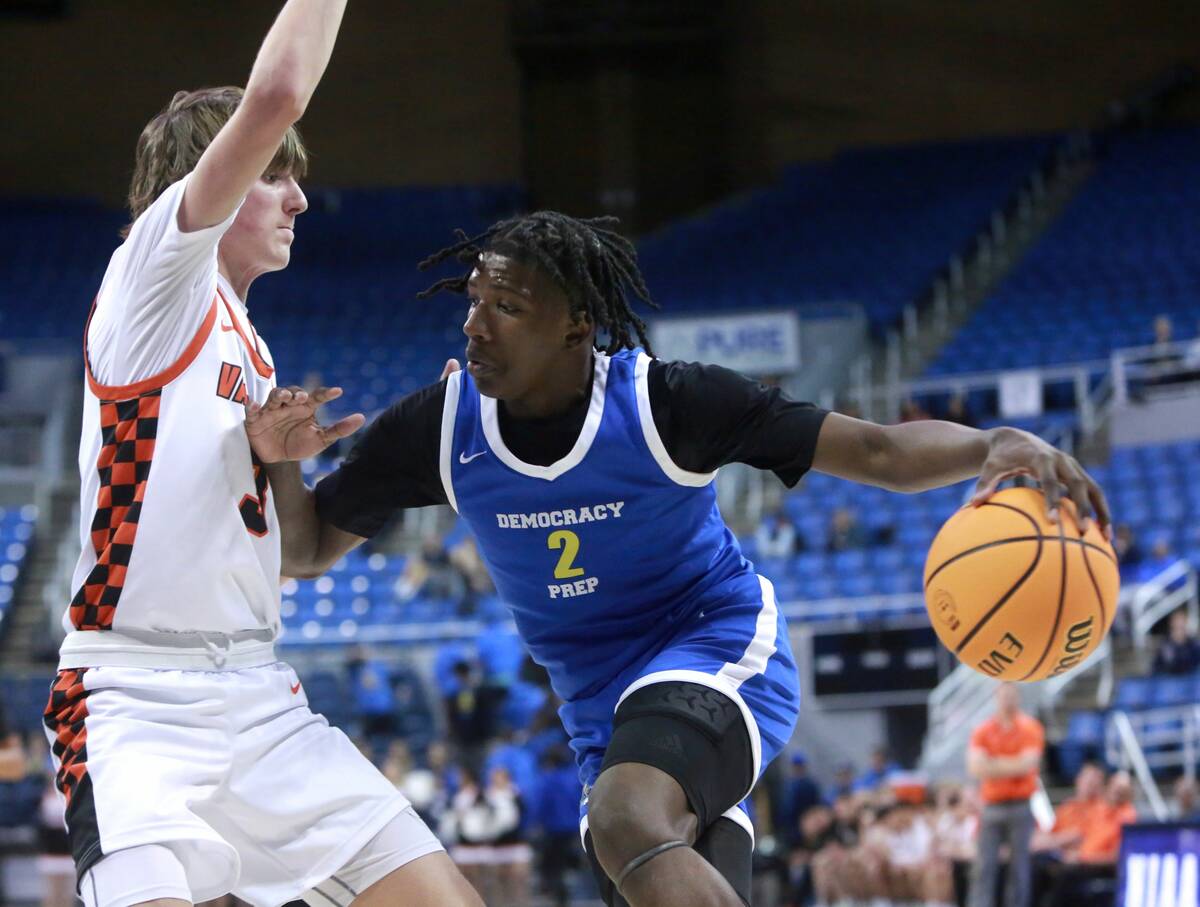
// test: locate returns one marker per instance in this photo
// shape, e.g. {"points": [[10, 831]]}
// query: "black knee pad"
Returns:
{"points": [[695, 734], [728, 847]]}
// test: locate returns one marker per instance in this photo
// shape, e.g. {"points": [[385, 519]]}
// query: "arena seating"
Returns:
{"points": [[871, 227], [1085, 731], [16, 532], [1124, 251]]}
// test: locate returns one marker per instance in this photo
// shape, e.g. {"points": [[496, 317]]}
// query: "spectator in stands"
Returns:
{"points": [[1096, 857], [1072, 816], [1179, 653], [1059, 845], [556, 815], [800, 794], [957, 411], [815, 831], [1004, 754], [482, 820], [471, 714], [845, 533], [1129, 553], [912, 868], [955, 825], [465, 558], [419, 784], [429, 573], [843, 783], [1161, 557], [776, 535], [12, 752], [374, 701], [1164, 339], [1185, 807], [876, 774], [512, 855]]}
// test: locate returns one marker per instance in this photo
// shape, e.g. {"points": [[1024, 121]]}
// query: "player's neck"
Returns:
{"points": [[556, 397], [237, 278]]}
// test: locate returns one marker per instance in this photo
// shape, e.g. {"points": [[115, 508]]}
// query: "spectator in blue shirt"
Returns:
{"points": [[800, 794], [374, 698], [1180, 651], [843, 782], [556, 816], [877, 772]]}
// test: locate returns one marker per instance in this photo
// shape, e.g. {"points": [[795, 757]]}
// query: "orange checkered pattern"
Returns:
{"points": [[65, 714], [128, 429]]}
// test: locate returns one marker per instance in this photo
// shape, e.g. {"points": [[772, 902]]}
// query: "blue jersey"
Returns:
{"points": [[604, 555]]}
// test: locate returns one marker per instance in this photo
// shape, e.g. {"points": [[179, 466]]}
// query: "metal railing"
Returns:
{"points": [[1138, 370], [1163, 593], [1126, 739], [882, 402]]}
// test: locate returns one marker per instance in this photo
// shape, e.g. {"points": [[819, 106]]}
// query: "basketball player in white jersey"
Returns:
{"points": [[188, 757]]}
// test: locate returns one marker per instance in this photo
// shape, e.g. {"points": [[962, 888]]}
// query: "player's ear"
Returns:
{"points": [[580, 329]]}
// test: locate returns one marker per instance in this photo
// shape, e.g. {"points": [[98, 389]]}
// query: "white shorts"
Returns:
{"points": [[251, 791]]}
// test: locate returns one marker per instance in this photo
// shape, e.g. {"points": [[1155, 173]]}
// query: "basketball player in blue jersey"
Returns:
{"points": [[585, 470]]}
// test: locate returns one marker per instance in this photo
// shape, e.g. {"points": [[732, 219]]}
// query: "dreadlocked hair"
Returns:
{"points": [[593, 264]]}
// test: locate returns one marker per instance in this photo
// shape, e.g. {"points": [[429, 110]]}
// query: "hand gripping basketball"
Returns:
{"points": [[1012, 452], [1016, 596], [286, 426]]}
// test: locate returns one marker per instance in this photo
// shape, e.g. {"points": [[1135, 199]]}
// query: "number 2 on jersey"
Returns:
{"points": [[568, 541]]}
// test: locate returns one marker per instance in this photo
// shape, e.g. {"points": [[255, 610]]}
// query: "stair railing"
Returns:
{"points": [[1172, 588]]}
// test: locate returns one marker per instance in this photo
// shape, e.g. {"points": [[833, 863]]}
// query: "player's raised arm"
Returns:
{"points": [[290, 63]]}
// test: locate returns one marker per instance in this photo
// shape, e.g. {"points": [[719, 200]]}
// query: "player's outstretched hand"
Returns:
{"points": [[286, 426], [1013, 452]]}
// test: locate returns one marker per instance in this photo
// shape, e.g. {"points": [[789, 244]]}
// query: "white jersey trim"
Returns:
{"points": [[591, 425], [446, 452], [762, 646], [658, 450]]}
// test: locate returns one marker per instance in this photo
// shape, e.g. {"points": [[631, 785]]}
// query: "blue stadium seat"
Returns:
{"points": [[1132, 693]]}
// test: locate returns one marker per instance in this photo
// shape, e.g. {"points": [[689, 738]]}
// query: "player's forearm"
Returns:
{"points": [[294, 54], [930, 454], [299, 525]]}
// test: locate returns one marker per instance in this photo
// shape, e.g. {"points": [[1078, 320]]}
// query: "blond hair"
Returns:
{"points": [[171, 144]]}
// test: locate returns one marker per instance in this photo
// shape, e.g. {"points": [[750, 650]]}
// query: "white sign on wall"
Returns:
{"points": [[1020, 394], [760, 343]]}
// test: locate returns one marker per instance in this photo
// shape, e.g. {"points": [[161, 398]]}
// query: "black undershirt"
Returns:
{"points": [[706, 415]]}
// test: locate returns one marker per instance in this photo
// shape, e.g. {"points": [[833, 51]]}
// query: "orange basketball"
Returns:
{"points": [[1016, 596]]}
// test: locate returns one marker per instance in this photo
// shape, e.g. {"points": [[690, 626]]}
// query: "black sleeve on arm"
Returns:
{"points": [[393, 466], [708, 416]]}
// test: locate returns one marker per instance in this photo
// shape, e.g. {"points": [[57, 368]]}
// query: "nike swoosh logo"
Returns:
{"points": [[295, 688], [464, 459], [227, 327]]}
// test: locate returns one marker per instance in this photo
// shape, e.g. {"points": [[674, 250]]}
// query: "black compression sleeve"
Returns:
{"points": [[394, 465], [708, 416]]}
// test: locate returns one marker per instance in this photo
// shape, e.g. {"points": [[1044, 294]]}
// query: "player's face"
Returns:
{"points": [[260, 238], [520, 333]]}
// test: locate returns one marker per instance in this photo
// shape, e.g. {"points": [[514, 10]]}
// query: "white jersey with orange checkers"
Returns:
{"points": [[178, 529]]}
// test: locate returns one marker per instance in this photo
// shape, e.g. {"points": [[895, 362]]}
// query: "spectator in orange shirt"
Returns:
{"points": [[1004, 754], [1072, 816], [1096, 857], [1051, 848]]}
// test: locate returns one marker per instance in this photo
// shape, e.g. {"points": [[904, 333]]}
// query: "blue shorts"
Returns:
{"points": [[740, 649]]}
